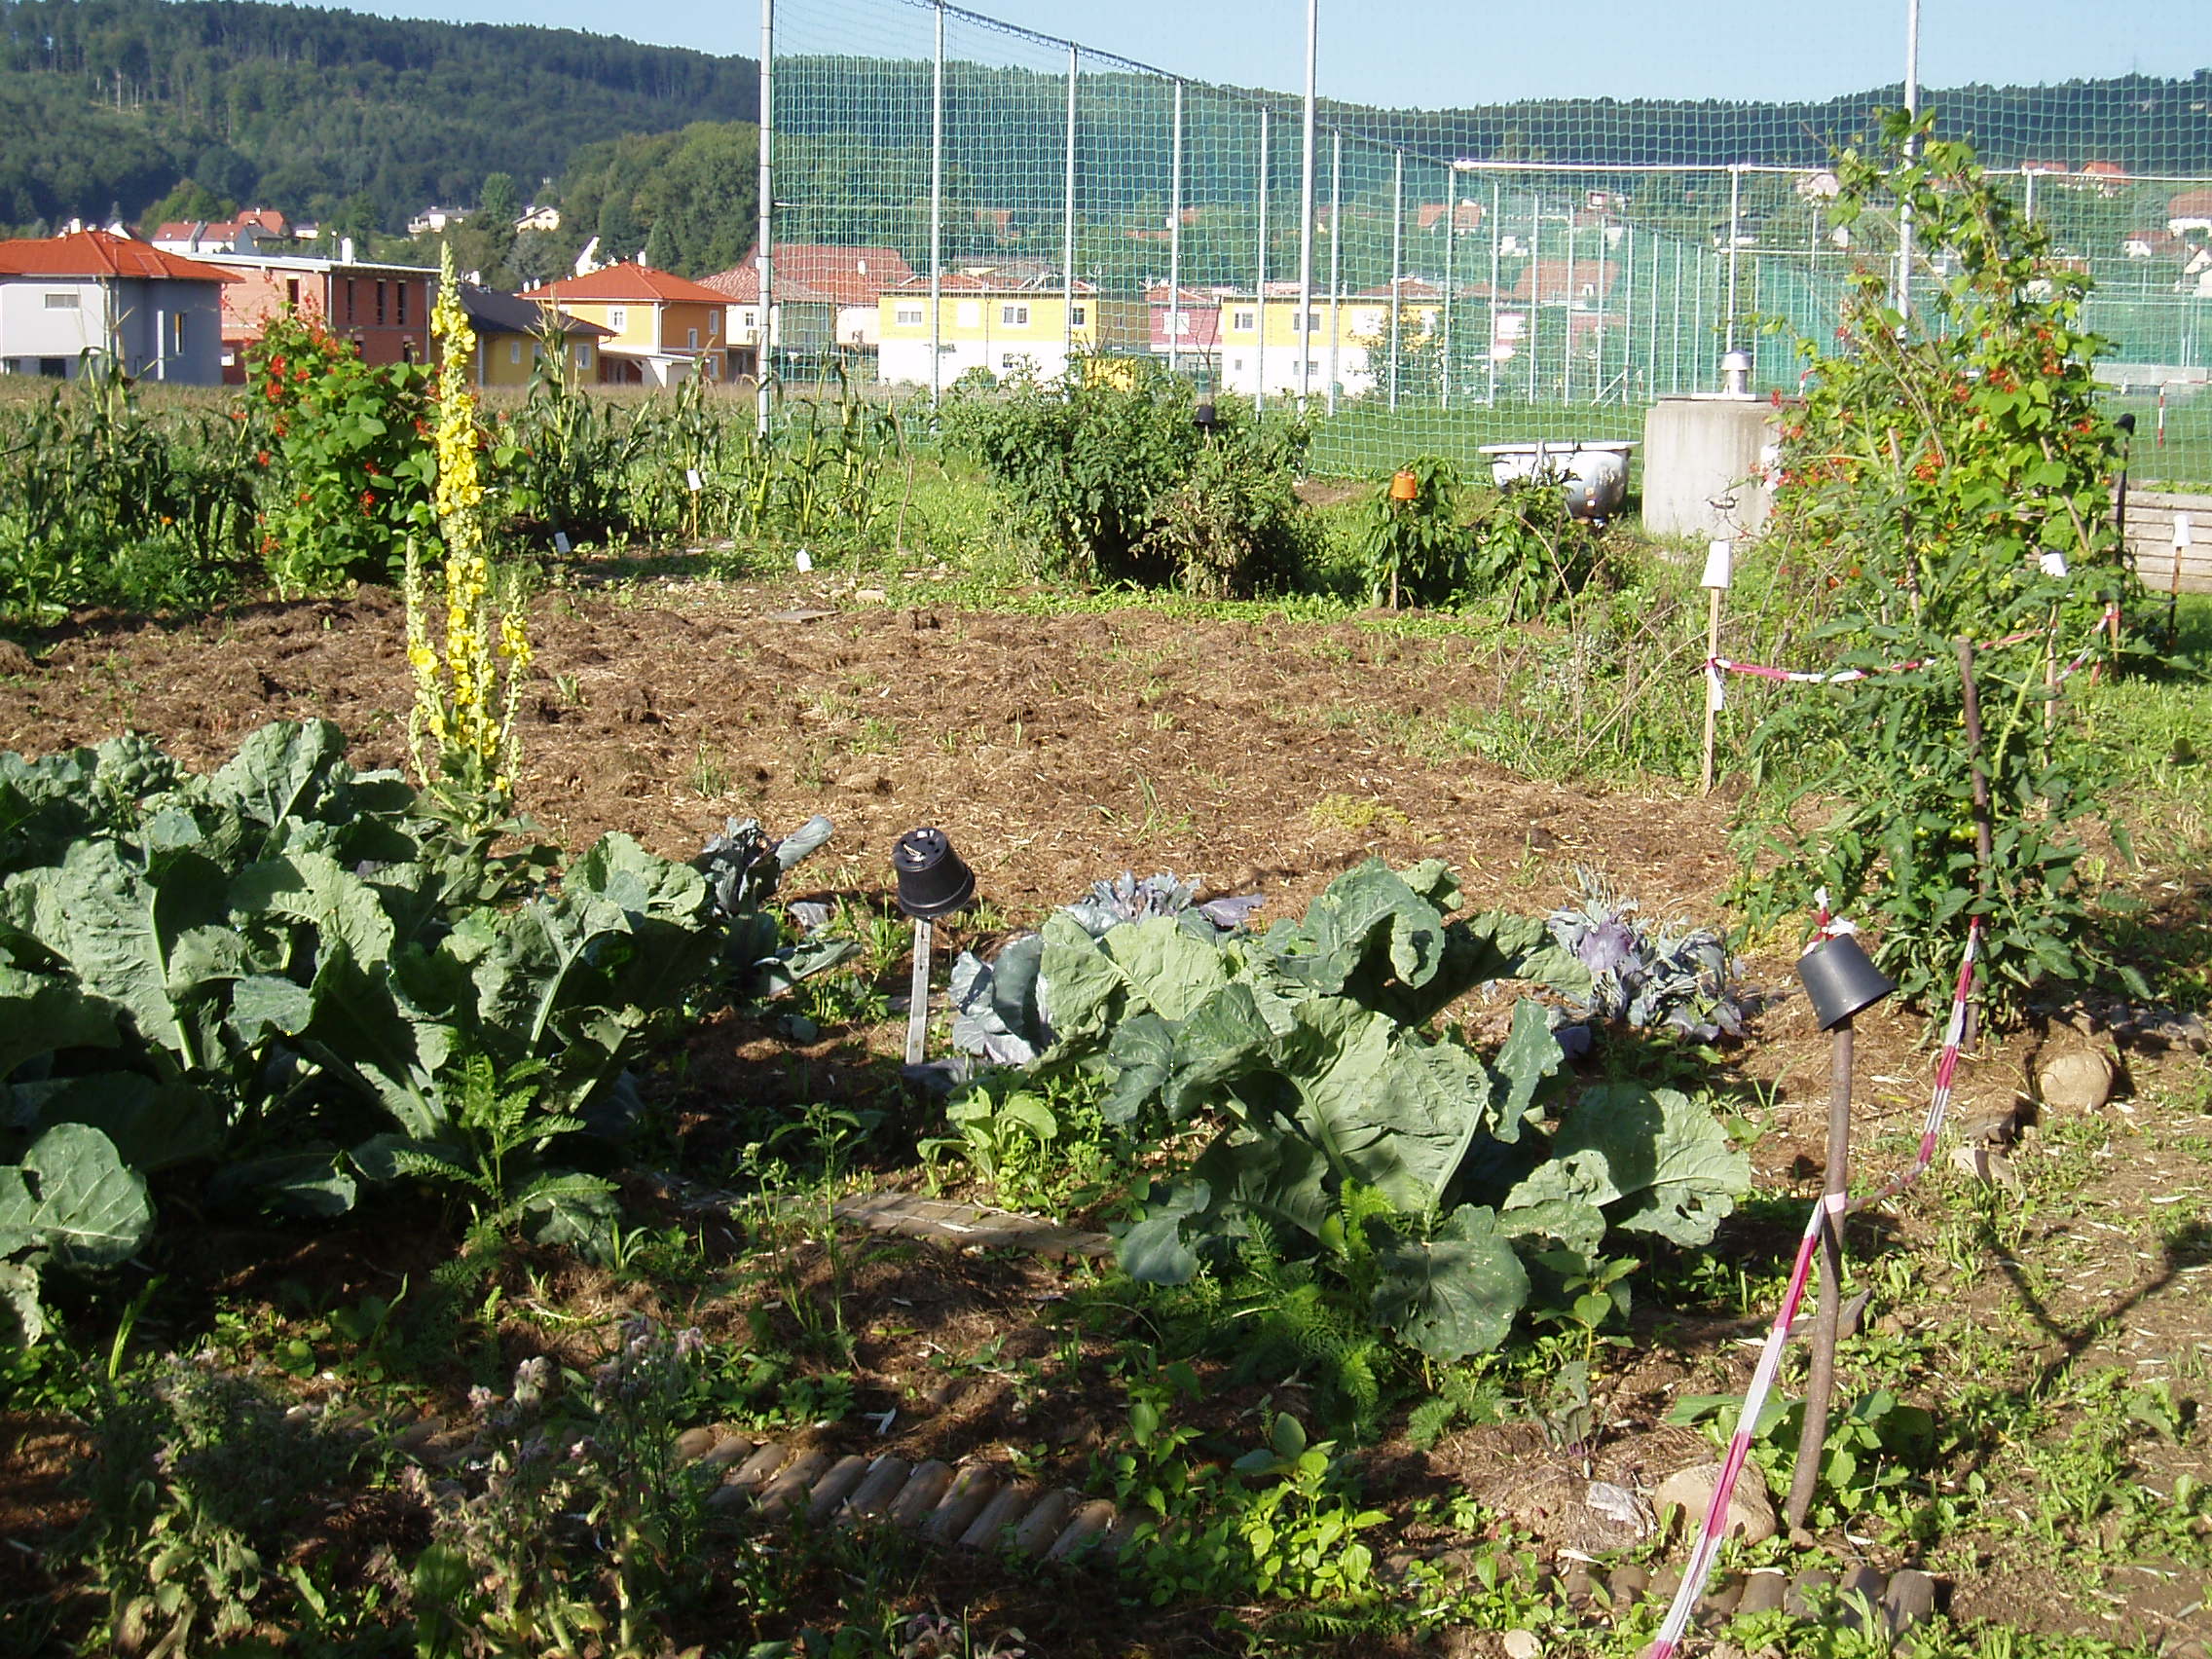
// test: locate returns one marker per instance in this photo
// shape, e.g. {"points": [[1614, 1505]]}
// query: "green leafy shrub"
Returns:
{"points": [[1415, 551], [1946, 478], [1116, 483], [348, 463], [1530, 552]]}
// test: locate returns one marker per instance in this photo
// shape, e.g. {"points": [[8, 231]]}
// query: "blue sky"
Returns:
{"points": [[1434, 53]]}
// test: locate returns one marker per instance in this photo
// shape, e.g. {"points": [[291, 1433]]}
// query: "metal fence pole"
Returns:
{"points": [[1627, 311], [1398, 265], [2029, 174], [1536, 246], [1259, 285], [1451, 236], [1489, 351], [1735, 236], [1335, 258], [1175, 237], [936, 215], [1067, 224], [1303, 332], [764, 341], [1911, 148], [1566, 316]]}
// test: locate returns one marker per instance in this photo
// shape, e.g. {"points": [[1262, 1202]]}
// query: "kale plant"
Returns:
{"points": [[1614, 968]]}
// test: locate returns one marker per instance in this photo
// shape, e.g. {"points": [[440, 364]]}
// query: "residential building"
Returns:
{"points": [[1347, 339], [662, 329], [535, 219], [2190, 210], [157, 313], [803, 329], [248, 233], [511, 337], [382, 309], [1002, 327], [432, 220], [1186, 325], [856, 277]]}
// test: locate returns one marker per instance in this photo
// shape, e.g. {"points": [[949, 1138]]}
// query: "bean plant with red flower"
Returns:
{"points": [[1946, 476], [347, 462]]}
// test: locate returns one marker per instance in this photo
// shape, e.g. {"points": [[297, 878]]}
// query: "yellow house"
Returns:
{"points": [[1000, 326], [511, 337], [661, 328], [1345, 340]]}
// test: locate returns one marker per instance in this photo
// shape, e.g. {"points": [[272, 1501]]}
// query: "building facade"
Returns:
{"points": [[92, 296]]}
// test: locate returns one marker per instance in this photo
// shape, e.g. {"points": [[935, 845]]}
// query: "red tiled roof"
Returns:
{"points": [[742, 283], [100, 253], [638, 283], [850, 276]]}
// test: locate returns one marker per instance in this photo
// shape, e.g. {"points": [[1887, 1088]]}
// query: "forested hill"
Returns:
{"points": [[111, 103]]}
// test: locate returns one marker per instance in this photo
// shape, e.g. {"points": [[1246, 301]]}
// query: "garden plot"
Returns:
{"points": [[2024, 1391]]}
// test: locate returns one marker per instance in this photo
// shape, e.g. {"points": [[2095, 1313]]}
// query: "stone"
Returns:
{"points": [[1859, 1603], [919, 1497], [1084, 1528], [1006, 1507], [693, 1443], [731, 1450], [973, 1487], [2079, 1081], [1751, 1512], [1520, 1644], [765, 1461], [1810, 1593], [1910, 1599], [1764, 1589], [833, 1489], [882, 1482], [1044, 1523], [1626, 1585], [789, 1490]]}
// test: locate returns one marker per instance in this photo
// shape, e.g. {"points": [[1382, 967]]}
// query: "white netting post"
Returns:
{"points": [[764, 340], [1735, 241], [1912, 147], [936, 214], [1175, 237], [1260, 282], [1496, 232], [1336, 257], [1398, 265], [1302, 331], [1067, 225], [1451, 236]]}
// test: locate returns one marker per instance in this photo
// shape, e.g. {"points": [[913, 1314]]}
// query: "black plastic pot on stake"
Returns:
{"points": [[932, 881], [1842, 982]]}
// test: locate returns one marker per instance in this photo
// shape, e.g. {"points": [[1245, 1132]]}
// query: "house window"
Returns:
{"points": [[176, 334], [1014, 317], [583, 356], [292, 292], [691, 339], [1301, 322], [400, 298], [350, 308], [1236, 362], [380, 304], [714, 324], [618, 317], [1242, 321], [1079, 317], [62, 302], [1182, 322], [907, 316], [514, 351]]}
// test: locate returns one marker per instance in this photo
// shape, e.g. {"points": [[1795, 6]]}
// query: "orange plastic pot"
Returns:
{"points": [[1404, 487]]}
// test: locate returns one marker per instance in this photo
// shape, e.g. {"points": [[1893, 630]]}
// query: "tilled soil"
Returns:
{"points": [[1262, 755]]}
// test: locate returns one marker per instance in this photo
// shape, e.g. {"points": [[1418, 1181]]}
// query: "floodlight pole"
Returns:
{"points": [[765, 341], [1303, 332], [1912, 149]]}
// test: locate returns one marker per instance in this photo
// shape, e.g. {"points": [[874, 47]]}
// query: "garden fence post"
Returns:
{"points": [[1398, 265], [1718, 560], [1175, 237], [1497, 197], [1302, 334], [1735, 238], [1450, 239], [1335, 258], [1820, 1385], [1260, 283]]}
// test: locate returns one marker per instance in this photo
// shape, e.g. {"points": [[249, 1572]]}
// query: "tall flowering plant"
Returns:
{"points": [[464, 694]]}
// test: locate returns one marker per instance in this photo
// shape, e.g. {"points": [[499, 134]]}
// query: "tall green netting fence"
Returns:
{"points": [[960, 200]]}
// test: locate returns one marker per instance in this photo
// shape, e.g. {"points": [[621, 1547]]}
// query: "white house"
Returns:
{"points": [[157, 313]]}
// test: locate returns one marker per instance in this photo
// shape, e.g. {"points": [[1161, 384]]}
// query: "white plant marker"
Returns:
{"points": [[918, 992], [1719, 566]]}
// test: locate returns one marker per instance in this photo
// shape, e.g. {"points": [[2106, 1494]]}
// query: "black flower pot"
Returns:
{"points": [[932, 881], [1841, 979]]}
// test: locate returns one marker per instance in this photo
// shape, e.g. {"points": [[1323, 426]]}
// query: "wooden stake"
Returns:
{"points": [[918, 993]]}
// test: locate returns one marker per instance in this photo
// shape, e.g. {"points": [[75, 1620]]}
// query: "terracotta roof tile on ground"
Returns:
{"points": [[616, 284], [102, 253]]}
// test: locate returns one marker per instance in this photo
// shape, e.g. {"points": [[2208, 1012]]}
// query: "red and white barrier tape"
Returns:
{"points": [[1715, 666], [1712, 1532]]}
